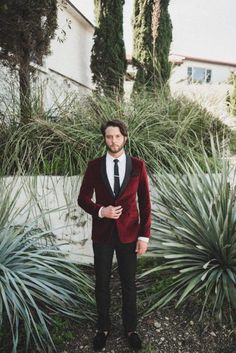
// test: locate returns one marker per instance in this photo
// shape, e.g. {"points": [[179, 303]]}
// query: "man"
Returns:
{"points": [[121, 220]]}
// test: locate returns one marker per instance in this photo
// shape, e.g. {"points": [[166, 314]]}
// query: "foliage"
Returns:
{"points": [[152, 39], [194, 231], [37, 281], [61, 331], [171, 125], [142, 43], [25, 33], [162, 44], [108, 62], [63, 146], [233, 142]]}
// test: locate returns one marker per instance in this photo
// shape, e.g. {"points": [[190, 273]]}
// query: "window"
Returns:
{"points": [[208, 76], [190, 73], [198, 75]]}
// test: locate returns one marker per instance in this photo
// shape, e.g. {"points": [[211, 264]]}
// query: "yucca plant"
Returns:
{"points": [[194, 232], [37, 280]]}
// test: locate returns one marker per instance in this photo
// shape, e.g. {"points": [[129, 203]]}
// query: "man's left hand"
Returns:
{"points": [[141, 247]]}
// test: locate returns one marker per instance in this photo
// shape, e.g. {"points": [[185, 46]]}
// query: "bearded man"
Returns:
{"points": [[121, 221]]}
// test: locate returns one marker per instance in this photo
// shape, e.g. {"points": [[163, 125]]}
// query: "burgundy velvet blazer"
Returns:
{"points": [[134, 197]]}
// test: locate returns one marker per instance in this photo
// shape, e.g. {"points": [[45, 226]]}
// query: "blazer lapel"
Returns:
{"points": [[104, 176], [128, 171]]}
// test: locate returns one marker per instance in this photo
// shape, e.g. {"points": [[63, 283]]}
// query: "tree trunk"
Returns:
{"points": [[25, 92]]}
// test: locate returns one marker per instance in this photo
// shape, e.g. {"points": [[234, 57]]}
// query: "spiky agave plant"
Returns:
{"points": [[194, 231], [37, 281]]}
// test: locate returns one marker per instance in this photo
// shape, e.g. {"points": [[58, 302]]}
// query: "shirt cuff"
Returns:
{"points": [[100, 212], [145, 239]]}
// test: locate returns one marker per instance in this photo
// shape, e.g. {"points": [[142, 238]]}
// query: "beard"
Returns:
{"points": [[116, 148]]}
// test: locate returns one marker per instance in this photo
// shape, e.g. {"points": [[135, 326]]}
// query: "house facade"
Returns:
{"points": [[67, 68], [200, 70]]}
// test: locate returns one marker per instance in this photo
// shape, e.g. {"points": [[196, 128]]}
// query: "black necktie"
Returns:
{"points": [[116, 177]]}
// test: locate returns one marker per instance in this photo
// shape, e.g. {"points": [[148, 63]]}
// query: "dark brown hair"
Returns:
{"points": [[115, 123]]}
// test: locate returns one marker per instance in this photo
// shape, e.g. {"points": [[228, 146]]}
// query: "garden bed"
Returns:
{"points": [[166, 330]]}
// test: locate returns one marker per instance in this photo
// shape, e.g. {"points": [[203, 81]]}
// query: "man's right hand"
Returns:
{"points": [[113, 212]]}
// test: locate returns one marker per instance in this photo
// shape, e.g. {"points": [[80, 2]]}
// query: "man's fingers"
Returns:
{"points": [[116, 211], [118, 208], [141, 247], [112, 211]]}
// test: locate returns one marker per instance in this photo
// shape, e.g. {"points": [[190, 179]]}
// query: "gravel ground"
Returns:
{"points": [[166, 330]]}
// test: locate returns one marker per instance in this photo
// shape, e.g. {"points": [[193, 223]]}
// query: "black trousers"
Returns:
{"points": [[127, 263]]}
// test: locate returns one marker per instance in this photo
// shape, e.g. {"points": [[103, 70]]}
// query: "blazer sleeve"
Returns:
{"points": [[86, 193], [144, 203]]}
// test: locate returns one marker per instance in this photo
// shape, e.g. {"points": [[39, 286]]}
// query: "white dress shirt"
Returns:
{"points": [[110, 176], [110, 169]]}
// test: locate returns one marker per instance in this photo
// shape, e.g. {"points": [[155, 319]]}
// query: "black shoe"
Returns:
{"points": [[99, 341], [134, 341]]}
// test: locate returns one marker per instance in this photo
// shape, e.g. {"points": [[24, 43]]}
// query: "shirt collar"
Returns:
{"points": [[121, 158]]}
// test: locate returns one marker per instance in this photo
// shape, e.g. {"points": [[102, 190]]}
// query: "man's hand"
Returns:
{"points": [[141, 247], [113, 212]]}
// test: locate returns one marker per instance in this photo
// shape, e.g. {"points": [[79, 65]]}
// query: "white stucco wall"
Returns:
{"points": [[51, 202], [71, 58], [9, 88]]}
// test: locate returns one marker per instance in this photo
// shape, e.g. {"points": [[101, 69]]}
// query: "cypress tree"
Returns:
{"points": [[162, 43], [152, 39], [108, 62], [26, 29], [142, 43]]}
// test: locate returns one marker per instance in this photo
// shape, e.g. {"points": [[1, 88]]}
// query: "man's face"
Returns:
{"points": [[114, 139]]}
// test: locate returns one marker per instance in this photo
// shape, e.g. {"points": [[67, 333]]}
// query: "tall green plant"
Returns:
{"points": [[194, 231], [162, 38], [152, 39], [108, 61], [26, 29], [142, 57]]}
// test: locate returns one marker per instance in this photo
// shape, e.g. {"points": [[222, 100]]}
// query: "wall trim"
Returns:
{"points": [[71, 79]]}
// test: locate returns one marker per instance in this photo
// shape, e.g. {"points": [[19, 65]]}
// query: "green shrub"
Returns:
{"points": [[62, 331], [233, 142], [62, 141], [194, 231]]}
